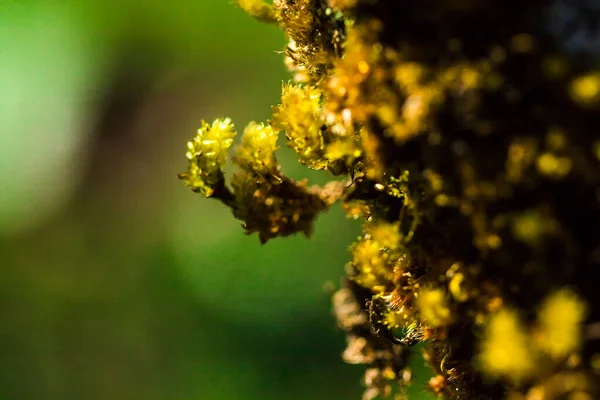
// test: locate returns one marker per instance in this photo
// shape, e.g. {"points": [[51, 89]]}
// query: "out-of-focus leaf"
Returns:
{"points": [[48, 69]]}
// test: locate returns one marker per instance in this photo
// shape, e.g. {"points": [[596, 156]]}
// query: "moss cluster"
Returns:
{"points": [[468, 137]]}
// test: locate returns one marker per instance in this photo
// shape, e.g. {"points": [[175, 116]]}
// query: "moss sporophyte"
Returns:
{"points": [[465, 134]]}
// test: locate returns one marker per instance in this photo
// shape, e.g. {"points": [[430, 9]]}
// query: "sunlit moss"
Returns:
{"points": [[505, 349], [257, 151], [274, 206], [532, 226], [207, 154], [372, 148], [386, 235], [346, 150], [585, 89], [259, 9], [553, 166], [468, 148], [371, 263], [457, 288], [433, 306], [521, 154], [343, 4], [417, 110], [299, 117], [560, 321], [395, 319], [409, 75]]}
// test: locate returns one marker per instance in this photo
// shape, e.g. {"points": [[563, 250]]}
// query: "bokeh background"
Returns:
{"points": [[116, 281]]}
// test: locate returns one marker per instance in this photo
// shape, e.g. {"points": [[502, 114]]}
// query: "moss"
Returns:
{"points": [[467, 137]]}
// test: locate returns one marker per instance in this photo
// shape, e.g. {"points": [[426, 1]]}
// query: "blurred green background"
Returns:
{"points": [[117, 282]]}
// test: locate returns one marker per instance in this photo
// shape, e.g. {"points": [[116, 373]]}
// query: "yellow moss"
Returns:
{"points": [[553, 166], [456, 286], [417, 110], [528, 228], [207, 154], [344, 86], [387, 112], [492, 241], [535, 393], [435, 180], [313, 43], [442, 200], [471, 78], [395, 319], [521, 154], [409, 74], [257, 151], [371, 264], [274, 207], [299, 115], [463, 76], [259, 9], [385, 235], [433, 306], [505, 349], [347, 150], [361, 96], [371, 145], [342, 4], [585, 90], [559, 323]]}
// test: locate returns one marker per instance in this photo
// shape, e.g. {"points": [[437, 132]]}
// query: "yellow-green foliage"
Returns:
{"points": [[505, 350], [207, 154], [433, 307], [467, 139], [257, 151], [258, 9], [560, 320], [585, 89], [512, 350], [299, 116]]}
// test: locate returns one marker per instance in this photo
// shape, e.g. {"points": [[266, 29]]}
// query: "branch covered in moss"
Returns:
{"points": [[468, 134]]}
